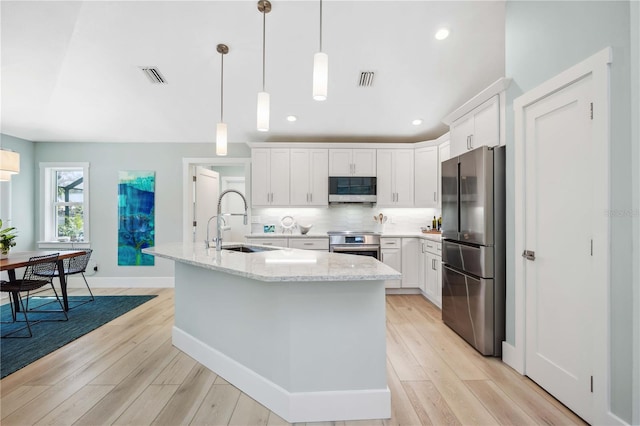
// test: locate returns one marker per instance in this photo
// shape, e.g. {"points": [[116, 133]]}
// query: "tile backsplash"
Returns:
{"points": [[350, 217]]}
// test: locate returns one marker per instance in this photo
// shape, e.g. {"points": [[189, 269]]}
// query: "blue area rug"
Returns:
{"points": [[16, 353]]}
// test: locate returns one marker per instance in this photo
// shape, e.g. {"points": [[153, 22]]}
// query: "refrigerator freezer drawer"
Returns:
{"points": [[475, 260], [468, 309]]}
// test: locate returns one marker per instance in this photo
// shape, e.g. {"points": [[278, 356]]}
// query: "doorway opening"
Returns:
{"points": [[199, 204]]}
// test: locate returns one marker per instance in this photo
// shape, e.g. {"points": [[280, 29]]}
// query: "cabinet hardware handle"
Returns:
{"points": [[433, 264], [308, 244], [471, 141], [311, 197], [434, 196]]}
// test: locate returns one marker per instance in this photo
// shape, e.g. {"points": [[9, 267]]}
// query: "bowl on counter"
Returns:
{"points": [[304, 228]]}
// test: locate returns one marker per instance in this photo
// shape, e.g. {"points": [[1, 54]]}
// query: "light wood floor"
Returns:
{"points": [[127, 372]]}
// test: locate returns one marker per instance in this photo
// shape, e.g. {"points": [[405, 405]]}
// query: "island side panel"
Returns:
{"points": [[241, 318], [338, 336]]}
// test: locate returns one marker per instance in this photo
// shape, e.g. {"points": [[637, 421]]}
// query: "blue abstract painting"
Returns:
{"points": [[136, 223]]}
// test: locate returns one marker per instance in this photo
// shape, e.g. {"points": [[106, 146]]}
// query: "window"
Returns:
{"points": [[65, 216]]}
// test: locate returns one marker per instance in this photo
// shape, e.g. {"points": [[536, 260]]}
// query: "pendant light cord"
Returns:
{"points": [[321, 25], [222, 88], [264, 24]]}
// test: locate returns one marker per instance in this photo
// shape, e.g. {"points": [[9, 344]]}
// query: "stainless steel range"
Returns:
{"points": [[363, 243]]}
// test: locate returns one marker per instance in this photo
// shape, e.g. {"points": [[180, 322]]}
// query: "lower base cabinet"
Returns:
{"points": [[318, 244], [391, 255], [432, 271]]}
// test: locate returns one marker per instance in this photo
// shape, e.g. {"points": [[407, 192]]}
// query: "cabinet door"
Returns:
{"points": [[393, 258], [364, 162], [340, 162], [300, 179], [403, 177], [438, 281], [443, 155], [386, 192], [260, 177], [426, 177], [486, 124], [461, 130], [319, 177], [279, 177], [433, 272], [411, 254]]}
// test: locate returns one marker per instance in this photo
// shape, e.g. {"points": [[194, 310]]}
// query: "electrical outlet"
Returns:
{"points": [[95, 268]]}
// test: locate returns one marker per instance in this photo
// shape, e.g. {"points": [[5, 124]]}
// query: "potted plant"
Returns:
{"points": [[7, 237]]}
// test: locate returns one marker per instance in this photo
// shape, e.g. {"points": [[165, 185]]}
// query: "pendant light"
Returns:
{"points": [[9, 164], [221, 127], [264, 7], [320, 69]]}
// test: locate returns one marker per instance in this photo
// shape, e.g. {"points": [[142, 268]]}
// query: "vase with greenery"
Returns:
{"points": [[7, 239]]}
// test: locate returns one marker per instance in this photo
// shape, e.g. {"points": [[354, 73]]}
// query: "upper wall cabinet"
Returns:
{"points": [[480, 127], [352, 162], [270, 177], [480, 121], [309, 177], [395, 177], [427, 167]]}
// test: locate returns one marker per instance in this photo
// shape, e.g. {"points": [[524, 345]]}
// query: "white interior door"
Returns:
{"points": [[207, 190], [559, 282], [232, 203]]}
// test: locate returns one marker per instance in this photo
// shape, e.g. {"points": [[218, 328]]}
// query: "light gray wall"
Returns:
{"points": [[106, 160], [22, 193], [635, 136], [542, 40]]}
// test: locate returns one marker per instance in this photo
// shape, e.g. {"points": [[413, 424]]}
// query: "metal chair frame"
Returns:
{"points": [[38, 273]]}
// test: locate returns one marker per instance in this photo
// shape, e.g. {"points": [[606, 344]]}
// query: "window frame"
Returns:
{"points": [[48, 210]]}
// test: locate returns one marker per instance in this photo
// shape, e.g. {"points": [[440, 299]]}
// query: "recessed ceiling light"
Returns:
{"points": [[442, 33], [291, 118], [417, 122]]}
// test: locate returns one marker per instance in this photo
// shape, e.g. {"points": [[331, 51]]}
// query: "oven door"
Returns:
{"points": [[360, 250]]}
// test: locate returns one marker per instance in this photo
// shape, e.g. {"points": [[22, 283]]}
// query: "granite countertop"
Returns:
{"points": [[282, 265], [287, 235], [417, 234]]}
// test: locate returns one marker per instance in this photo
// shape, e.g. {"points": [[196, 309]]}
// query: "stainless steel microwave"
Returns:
{"points": [[352, 189]]}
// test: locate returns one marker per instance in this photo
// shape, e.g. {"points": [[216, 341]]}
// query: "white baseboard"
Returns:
{"points": [[294, 407], [75, 281], [512, 357], [403, 291]]}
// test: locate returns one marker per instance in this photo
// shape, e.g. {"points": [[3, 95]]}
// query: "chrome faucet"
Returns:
{"points": [[219, 215], [206, 242]]}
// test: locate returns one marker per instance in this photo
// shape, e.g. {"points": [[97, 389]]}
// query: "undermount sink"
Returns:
{"points": [[246, 248]]}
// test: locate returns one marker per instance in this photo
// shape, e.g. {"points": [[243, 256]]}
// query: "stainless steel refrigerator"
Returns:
{"points": [[473, 247]]}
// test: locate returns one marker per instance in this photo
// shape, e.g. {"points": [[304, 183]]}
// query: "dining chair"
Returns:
{"points": [[78, 265], [38, 273]]}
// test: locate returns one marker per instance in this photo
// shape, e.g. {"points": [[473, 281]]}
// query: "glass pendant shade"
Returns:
{"points": [[221, 139], [263, 111], [320, 76]]}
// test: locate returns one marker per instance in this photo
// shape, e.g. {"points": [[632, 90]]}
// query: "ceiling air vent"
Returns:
{"points": [[154, 75], [366, 79]]}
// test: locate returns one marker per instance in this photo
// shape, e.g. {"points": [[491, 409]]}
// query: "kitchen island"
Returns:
{"points": [[302, 332]]}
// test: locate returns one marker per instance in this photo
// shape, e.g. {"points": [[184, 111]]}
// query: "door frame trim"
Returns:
{"points": [[598, 66], [188, 164]]}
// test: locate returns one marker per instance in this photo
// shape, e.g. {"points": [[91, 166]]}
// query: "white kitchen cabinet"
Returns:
{"points": [[270, 177], [432, 264], [391, 253], [427, 168], [443, 155], [395, 177], [268, 241], [309, 177], [411, 254], [352, 162], [317, 244], [479, 127]]}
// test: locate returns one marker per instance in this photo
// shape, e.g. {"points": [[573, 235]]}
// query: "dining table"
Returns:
{"points": [[16, 260]]}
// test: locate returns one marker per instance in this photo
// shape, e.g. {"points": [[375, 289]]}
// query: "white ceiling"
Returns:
{"points": [[71, 70]]}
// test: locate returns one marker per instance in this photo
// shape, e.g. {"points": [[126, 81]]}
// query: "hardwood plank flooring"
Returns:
{"points": [[128, 373]]}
